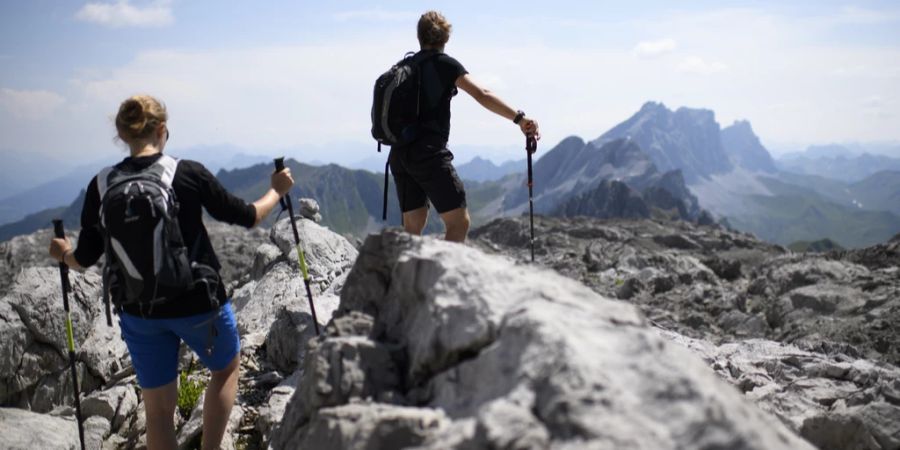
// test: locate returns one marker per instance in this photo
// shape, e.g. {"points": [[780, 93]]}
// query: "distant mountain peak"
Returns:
{"points": [[745, 149], [653, 106], [686, 139]]}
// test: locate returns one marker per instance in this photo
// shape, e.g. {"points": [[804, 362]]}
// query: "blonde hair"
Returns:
{"points": [[434, 30], [138, 117]]}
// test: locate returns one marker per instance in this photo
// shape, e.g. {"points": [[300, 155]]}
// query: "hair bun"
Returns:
{"points": [[133, 115], [138, 116]]}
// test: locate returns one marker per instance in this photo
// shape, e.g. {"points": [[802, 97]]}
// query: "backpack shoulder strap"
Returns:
{"points": [[103, 180], [169, 166]]}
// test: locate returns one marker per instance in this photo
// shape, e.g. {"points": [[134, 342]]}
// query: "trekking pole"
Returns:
{"points": [[301, 257], [70, 337], [531, 147]]}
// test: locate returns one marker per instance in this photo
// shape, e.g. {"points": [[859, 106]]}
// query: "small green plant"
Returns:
{"points": [[189, 391]]}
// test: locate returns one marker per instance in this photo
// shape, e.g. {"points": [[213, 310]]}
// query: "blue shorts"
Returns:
{"points": [[154, 343]]}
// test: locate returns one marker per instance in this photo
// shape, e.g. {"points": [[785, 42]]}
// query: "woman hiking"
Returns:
{"points": [[423, 170], [156, 310]]}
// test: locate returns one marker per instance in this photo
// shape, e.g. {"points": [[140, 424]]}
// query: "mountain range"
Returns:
{"points": [[677, 164], [840, 167], [480, 169], [56, 188]]}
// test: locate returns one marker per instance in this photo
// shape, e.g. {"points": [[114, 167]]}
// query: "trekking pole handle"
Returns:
{"points": [[530, 144], [279, 164], [58, 229]]}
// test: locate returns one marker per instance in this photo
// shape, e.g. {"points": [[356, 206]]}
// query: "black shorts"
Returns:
{"points": [[424, 171]]}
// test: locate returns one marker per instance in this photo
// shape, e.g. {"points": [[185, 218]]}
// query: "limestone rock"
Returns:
{"points": [[287, 339], [258, 303], [266, 256], [34, 371], [190, 432], [309, 209], [834, 401], [26, 430], [271, 413], [96, 429], [366, 426], [715, 284], [235, 248], [328, 254], [511, 355]]}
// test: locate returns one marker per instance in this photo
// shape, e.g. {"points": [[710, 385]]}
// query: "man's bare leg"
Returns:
{"points": [[414, 221], [457, 223]]}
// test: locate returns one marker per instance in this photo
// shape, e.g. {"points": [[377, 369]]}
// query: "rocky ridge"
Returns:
{"points": [[415, 335], [811, 338]]}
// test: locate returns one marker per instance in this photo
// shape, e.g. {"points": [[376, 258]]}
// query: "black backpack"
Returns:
{"points": [[395, 106], [147, 262], [396, 100]]}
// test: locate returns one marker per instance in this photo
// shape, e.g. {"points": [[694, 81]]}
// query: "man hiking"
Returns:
{"points": [[165, 282], [423, 169]]}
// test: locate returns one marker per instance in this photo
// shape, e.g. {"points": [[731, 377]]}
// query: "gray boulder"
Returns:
{"points": [[236, 248], [28, 250], [26, 430], [269, 415], [329, 257], [309, 209], [190, 433], [115, 405], [34, 370], [504, 355], [328, 254]]}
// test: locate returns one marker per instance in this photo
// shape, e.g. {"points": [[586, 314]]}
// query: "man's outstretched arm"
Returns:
{"points": [[496, 105]]}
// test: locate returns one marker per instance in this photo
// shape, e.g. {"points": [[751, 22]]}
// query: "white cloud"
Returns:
{"points": [[697, 65], [31, 105], [376, 15], [652, 49], [122, 13]]}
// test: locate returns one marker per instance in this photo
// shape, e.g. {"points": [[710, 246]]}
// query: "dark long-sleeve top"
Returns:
{"points": [[195, 188]]}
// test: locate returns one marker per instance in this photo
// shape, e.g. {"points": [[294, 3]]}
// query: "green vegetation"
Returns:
{"points": [[797, 214], [822, 245], [189, 391]]}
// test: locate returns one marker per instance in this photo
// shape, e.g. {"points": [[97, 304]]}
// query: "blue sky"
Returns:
{"points": [[296, 77]]}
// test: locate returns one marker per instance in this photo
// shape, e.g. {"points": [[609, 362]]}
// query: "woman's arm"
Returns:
{"points": [[492, 103], [61, 250], [90, 240]]}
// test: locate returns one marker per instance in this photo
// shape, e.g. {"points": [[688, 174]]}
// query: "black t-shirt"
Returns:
{"points": [[195, 188], [439, 74]]}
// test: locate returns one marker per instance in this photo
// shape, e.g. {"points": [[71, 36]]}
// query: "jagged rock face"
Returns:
{"points": [[720, 286], [235, 247], [25, 251], [34, 369], [881, 256], [617, 200], [608, 200], [716, 284], [686, 139], [834, 401], [573, 167], [329, 257], [458, 349], [744, 148]]}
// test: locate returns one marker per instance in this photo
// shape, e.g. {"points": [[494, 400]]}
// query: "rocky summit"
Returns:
{"points": [[626, 334]]}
